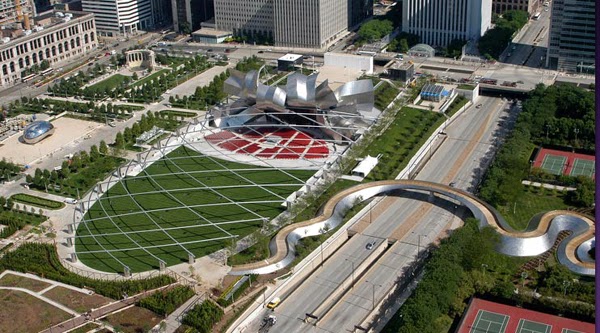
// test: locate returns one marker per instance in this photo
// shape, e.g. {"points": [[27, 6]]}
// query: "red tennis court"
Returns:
{"points": [[486, 316], [567, 163]]}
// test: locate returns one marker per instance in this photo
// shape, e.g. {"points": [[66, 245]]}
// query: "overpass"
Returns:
{"points": [[538, 239]]}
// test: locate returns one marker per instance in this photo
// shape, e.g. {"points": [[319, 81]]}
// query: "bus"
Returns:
{"points": [[47, 71], [28, 78], [536, 16]]}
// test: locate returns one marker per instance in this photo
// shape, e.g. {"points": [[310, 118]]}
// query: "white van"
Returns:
{"points": [[71, 201]]}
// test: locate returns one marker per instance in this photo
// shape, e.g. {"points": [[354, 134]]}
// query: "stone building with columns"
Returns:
{"points": [[140, 59], [55, 37]]}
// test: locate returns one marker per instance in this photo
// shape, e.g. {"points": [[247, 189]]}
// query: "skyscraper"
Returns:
{"points": [[571, 46], [120, 17], [302, 23], [438, 22]]}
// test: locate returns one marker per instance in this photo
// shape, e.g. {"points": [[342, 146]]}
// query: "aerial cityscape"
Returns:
{"points": [[228, 166]]}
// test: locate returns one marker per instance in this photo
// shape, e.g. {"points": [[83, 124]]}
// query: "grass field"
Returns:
{"points": [[24, 313], [532, 201], [149, 78], [211, 186], [10, 280], [110, 83]]}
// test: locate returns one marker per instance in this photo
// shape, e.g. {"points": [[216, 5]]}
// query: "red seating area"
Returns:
{"points": [[282, 144]]}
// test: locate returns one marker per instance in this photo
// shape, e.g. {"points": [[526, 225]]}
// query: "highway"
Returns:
{"points": [[415, 224]]}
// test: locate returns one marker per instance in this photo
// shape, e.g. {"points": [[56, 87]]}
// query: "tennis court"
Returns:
{"points": [[489, 322], [583, 167], [528, 326], [554, 164]]}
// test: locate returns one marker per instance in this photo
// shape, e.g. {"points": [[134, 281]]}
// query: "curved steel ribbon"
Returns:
{"points": [[572, 252]]}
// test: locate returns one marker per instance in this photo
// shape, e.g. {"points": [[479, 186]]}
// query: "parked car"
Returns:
{"points": [[370, 245]]}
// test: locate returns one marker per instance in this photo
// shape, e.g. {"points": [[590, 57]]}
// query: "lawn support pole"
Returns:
{"points": [[70, 241], [191, 259], [126, 271], [73, 257], [162, 266]]}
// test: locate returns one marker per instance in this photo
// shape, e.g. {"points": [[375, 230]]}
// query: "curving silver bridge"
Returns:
{"points": [[539, 238]]}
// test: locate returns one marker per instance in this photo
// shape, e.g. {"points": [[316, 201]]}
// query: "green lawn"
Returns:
{"points": [[531, 201], [207, 186], [110, 83], [149, 78]]}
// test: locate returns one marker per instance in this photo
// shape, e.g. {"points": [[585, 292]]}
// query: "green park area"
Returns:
{"points": [[110, 83], [201, 202]]}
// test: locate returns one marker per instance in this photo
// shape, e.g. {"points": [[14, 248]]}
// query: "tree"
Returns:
{"points": [[119, 141], [103, 148], [374, 30], [94, 153], [2, 202]]}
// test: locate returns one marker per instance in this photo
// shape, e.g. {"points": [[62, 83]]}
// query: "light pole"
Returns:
{"points": [[566, 284], [373, 285], [352, 282], [484, 268]]}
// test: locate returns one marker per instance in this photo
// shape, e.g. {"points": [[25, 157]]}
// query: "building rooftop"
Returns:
{"points": [[39, 23], [402, 65], [211, 32], [290, 57]]}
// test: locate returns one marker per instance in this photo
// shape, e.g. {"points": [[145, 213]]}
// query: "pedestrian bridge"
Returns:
{"points": [[537, 239]]}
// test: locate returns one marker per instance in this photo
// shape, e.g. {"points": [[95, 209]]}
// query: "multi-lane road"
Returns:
{"points": [[342, 293]]}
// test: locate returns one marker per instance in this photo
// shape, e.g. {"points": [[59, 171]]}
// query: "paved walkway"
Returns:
{"points": [[100, 312], [173, 321]]}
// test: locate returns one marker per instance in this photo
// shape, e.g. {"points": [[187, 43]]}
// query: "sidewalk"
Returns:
{"points": [[100, 312]]}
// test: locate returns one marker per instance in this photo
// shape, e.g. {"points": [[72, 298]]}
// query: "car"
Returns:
{"points": [[261, 51], [274, 303], [71, 201], [478, 106], [452, 184], [209, 50], [107, 54], [370, 245]]}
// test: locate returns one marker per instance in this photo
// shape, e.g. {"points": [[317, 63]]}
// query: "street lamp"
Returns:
{"points": [[566, 284], [484, 268], [373, 285], [351, 262]]}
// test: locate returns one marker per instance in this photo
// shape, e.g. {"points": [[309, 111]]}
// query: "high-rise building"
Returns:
{"points": [[571, 46], [438, 22], [530, 6], [305, 23], [309, 23], [120, 17]]}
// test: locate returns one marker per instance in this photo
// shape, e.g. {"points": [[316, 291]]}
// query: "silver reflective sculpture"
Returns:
{"points": [[37, 131], [301, 104]]}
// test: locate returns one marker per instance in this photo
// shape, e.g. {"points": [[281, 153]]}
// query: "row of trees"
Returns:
{"points": [[8, 170], [212, 94], [164, 303], [80, 172], [203, 316], [42, 260], [149, 120], [495, 40], [90, 109], [203, 96]]}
